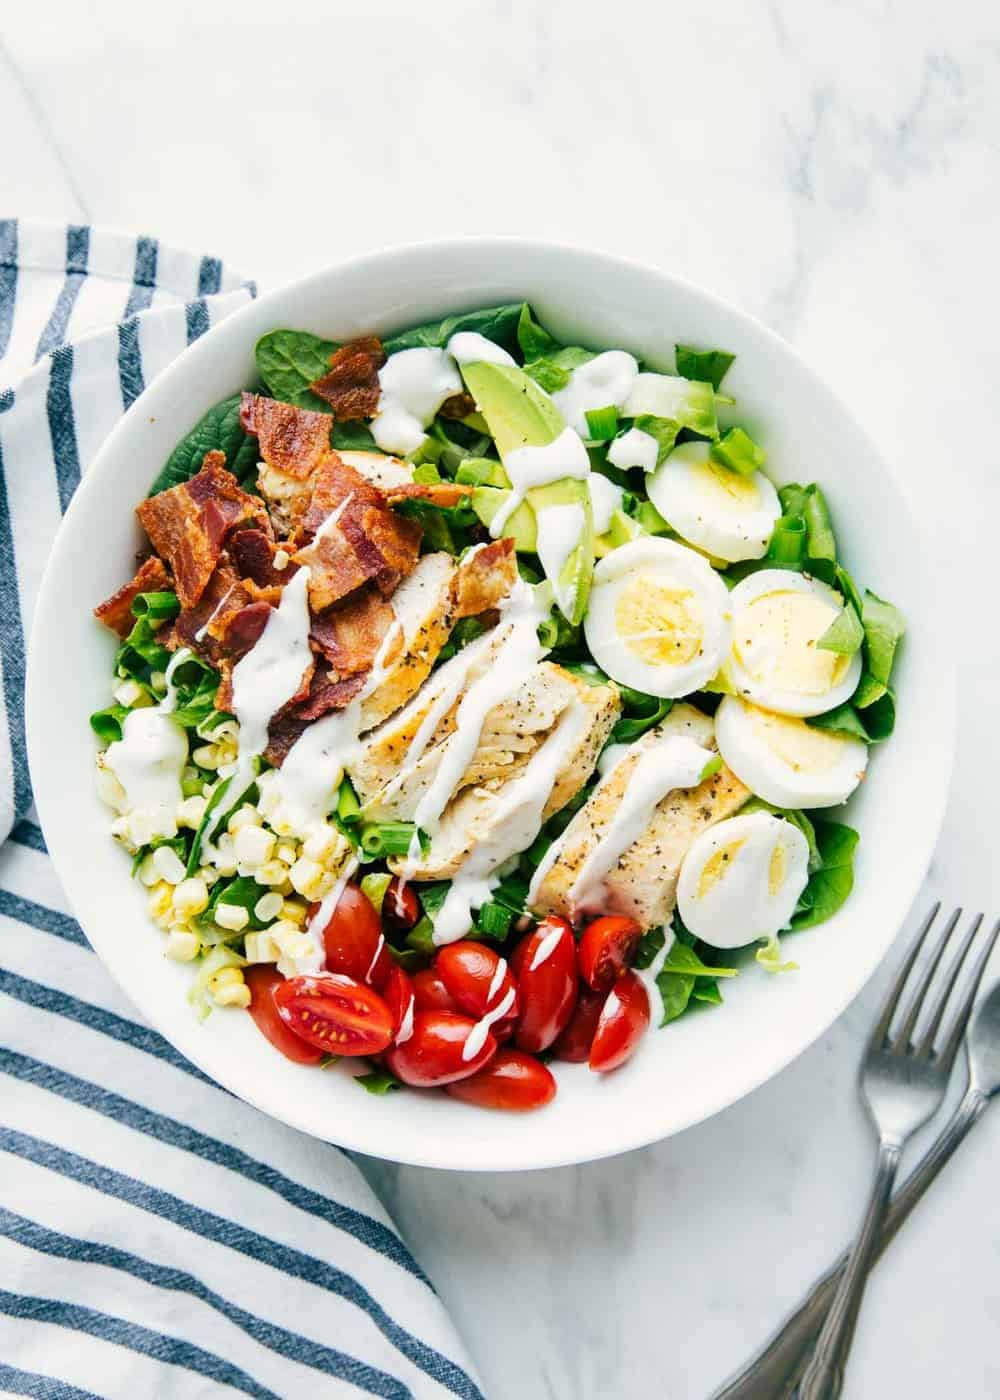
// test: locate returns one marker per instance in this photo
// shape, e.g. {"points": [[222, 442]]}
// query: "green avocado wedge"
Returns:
{"points": [[520, 414]]}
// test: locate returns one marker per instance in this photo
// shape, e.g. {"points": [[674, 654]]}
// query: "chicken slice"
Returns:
{"points": [[643, 883], [473, 820]]}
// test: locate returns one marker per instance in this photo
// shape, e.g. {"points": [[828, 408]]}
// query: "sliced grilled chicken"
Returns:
{"points": [[474, 818], [643, 883]]}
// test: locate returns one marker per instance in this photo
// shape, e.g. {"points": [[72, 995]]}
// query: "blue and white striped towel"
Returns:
{"points": [[157, 1236]]}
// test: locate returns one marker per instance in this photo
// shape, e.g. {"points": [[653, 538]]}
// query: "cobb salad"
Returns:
{"points": [[480, 701]]}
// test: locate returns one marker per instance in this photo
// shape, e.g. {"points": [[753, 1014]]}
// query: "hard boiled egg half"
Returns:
{"points": [[742, 879], [785, 760], [726, 514], [779, 617], [658, 618]]}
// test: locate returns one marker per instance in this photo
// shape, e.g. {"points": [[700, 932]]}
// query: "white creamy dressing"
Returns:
{"points": [[560, 529], [604, 382], [672, 762], [545, 949], [613, 754], [528, 467], [272, 670], [150, 756], [405, 1031], [470, 348], [314, 765], [605, 499], [648, 976], [202, 631], [452, 677], [496, 982], [331, 520], [477, 1036], [546, 863], [375, 956], [515, 822], [634, 449], [414, 385]]}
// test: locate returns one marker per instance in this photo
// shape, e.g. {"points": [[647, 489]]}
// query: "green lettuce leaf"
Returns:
{"points": [[830, 884], [497, 323], [218, 431], [378, 1081], [289, 361], [709, 366]]}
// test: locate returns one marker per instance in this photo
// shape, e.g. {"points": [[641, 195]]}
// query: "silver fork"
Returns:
{"points": [[775, 1372], [903, 1082]]}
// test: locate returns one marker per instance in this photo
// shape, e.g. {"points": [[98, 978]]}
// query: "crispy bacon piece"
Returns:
{"points": [[350, 633], [293, 440], [356, 537], [483, 579], [351, 386], [326, 693], [458, 406], [438, 493], [116, 612], [252, 553], [189, 524], [201, 627]]}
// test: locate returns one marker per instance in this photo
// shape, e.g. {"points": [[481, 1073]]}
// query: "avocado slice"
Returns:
{"points": [[520, 414], [520, 527]]}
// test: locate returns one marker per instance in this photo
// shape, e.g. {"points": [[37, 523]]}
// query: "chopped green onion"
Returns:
{"points": [[738, 451], [482, 471], [107, 724], [348, 806], [381, 839], [602, 423], [788, 540], [494, 919], [548, 632], [156, 606], [822, 544]]}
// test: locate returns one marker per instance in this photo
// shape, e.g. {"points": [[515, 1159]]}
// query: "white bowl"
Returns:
{"points": [[698, 1065]]}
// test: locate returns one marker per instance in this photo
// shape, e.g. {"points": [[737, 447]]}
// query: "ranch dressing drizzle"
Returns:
{"points": [[545, 949], [477, 1036], [470, 348], [674, 762], [517, 820], [648, 975], [414, 384], [272, 670], [604, 382], [202, 631], [559, 531], [497, 980], [405, 1031], [314, 962], [149, 758], [528, 467]]}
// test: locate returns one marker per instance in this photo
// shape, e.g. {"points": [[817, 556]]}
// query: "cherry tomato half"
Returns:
{"points": [[545, 967], [400, 907], [353, 939], [575, 1042], [433, 1053], [430, 992], [512, 1081], [622, 1024], [335, 1013], [262, 981], [477, 978], [398, 994], [606, 949]]}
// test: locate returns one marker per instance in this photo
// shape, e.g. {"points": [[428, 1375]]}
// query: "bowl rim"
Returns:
{"points": [[161, 387]]}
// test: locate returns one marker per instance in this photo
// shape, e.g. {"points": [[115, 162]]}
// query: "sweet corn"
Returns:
{"points": [[160, 903], [190, 897], [128, 692], [226, 753], [322, 843], [168, 865], [109, 789], [307, 877], [228, 732], [260, 948], [120, 831], [272, 872], [206, 756], [148, 873], [268, 907], [281, 559], [224, 856], [293, 910], [247, 815], [182, 945], [191, 811], [287, 852], [253, 846], [233, 995], [231, 916], [146, 823]]}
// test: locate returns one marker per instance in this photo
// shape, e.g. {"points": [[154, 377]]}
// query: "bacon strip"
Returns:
{"points": [[293, 440], [252, 553], [356, 537], [351, 386], [189, 524], [116, 611], [326, 694], [350, 633], [483, 579]]}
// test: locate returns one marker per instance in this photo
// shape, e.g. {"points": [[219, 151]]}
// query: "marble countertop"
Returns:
{"points": [[832, 168]]}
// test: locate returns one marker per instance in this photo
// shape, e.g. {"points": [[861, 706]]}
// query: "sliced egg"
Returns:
{"points": [[778, 618], [785, 760], [658, 618], [742, 879], [727, 515]]}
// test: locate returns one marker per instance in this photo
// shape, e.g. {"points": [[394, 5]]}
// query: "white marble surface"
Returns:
{"points": [[834, 168]]}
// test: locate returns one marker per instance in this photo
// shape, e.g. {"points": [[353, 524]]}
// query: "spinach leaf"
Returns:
{"points": [[845, 633], [289, 361], [378, 1081], [244, 892], [640, 713], [833, 881], [842, 720], [553, 372], [353, 436], [533, 339], [219, 430], [884, 628], [708, 366], [649, 945], [684, 977], [496, 323]]}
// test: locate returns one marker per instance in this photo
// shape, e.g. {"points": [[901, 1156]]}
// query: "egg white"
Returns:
{"points": [[727, 515], [778, 617], [658, 618], [742, 879], [785, 760]]}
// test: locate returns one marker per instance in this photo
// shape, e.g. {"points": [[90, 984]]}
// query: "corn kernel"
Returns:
{"points": [[281, 559], [247, 815], [225, 976], [322, 843], [191, 811], [209, 874], [234, 994], [253, 846], [268, 907], [168, 865], [260, 947], [145, 823], [190, 897], [128, 692], [306, 877], [227, 732], [231, 916], [287, 853], [160, 902], [109, 789], [120, 831], [206, 756], [281, 820], [223, 856], [293, 910], [148, 873], [182, 945], [272, 872]]}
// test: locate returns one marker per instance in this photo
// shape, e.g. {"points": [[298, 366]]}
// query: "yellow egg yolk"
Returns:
{"points": [[775, 637], [716, 866], [802, 747], [724, 489], [777, 869], [660, 621]]}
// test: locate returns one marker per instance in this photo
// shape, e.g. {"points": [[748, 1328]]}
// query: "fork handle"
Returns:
{"points": [[824, 1376], [774, 1372]]}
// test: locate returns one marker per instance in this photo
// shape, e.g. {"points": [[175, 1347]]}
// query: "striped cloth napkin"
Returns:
{"points": [[157, 1236]]}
